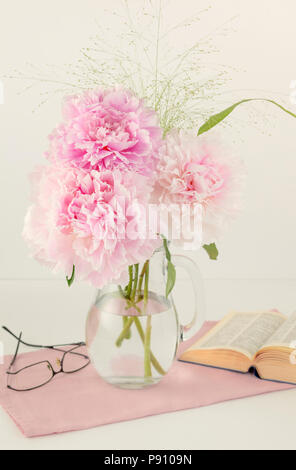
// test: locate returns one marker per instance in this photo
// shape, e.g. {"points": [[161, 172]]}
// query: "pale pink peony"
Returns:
{"points": [[107, 129], [82, 218], [193, 170]]}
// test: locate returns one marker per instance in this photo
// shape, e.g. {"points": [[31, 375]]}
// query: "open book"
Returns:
{"points": [[265, 341]]}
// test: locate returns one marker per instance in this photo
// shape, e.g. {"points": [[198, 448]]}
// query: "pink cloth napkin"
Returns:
{"points": [[82, 400]]}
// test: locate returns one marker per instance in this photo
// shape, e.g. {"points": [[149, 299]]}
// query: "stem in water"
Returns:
{"points": [[154, 361], [135, 285], [147, 350], [147, 342], [125, 331], [135, 296], [141, 279], [146, 287]]}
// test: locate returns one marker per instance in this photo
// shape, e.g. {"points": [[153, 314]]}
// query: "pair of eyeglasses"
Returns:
{"points": [[38, 374]]}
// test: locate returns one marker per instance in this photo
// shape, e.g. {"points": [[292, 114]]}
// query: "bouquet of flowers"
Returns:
{"points": [[108, 162]]}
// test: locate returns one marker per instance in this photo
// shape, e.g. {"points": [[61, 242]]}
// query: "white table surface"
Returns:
{"points": [[47, 311]]}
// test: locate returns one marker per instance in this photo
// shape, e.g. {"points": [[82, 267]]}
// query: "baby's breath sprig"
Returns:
{"points": [[178, 83]]}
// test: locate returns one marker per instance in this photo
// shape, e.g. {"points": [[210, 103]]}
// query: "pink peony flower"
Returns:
{"points": [[193, 170], [85, 218], [107, 129]]}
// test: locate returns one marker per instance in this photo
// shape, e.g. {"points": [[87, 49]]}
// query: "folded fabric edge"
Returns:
{"points": [[32, 435]]}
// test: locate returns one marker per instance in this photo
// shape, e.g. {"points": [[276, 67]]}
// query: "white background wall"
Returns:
{"points": [[257, 266], [260, 244]]}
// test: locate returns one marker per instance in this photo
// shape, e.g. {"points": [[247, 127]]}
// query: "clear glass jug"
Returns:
{"points": [[133, 334]]}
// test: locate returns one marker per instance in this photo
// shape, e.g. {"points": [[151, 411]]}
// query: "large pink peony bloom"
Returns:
{"points": [[87, 218], [193, 170], [107, 129]]}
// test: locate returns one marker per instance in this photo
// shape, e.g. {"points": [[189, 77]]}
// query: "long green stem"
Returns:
{"points": [[147, 350], [124, 318], [146, 287], [125, 331], [154, 361], [135, 285], [129, 287], [141, 279], [132, 288], [127, 294], [124, 323], [147, 341]]}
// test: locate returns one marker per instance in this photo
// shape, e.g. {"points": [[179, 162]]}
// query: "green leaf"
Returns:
{"points": [[171, 281], [166, 248], [217, 118], [71, 279], [212, 251]]}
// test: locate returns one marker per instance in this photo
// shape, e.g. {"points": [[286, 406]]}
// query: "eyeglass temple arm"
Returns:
{"points": [[17, 350], [18, 338], [38, 345]]}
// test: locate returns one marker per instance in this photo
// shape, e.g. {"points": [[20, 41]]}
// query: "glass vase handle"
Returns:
{"points": [[198, 316]]}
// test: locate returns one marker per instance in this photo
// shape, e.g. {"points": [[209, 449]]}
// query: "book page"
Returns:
{"points": [[285, 335], [243, 332]]}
